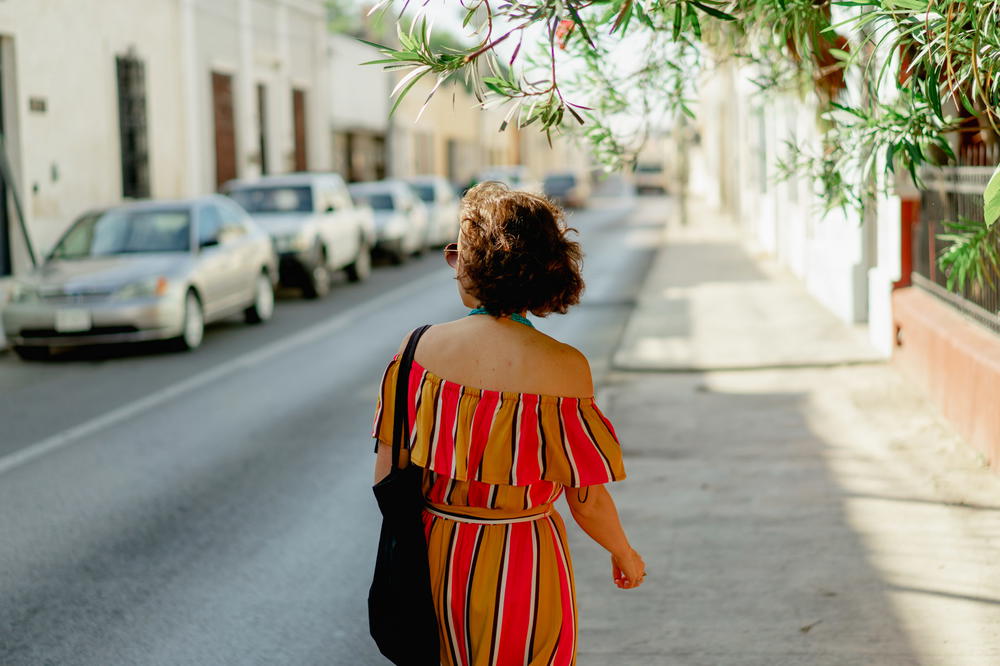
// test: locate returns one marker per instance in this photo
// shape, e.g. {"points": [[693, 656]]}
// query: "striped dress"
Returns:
{"points": [[494, 462]]}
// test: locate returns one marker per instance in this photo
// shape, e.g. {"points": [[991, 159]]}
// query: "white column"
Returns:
{"points": [[193, 174], [281, 107], [246, 107]]}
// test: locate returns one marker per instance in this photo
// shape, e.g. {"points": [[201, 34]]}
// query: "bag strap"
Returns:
{"points": [[401, 424]]}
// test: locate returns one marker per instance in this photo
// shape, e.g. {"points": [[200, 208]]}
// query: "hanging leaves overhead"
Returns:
{"points": [[923, 72]]}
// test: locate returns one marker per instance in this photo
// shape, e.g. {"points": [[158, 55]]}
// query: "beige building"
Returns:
{"points": [[359, 110], [110, 99], [455, 138]]}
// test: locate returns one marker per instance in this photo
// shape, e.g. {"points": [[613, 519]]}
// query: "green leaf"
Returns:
{"points": [[402, 93], [678, 20], [933, 93], [842, 56], [623, 17], [991, 199], [579, 22], [915, 5], [712, 11], [692, 16]]}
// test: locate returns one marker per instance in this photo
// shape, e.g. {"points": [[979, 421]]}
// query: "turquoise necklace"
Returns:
{"points": [[516, 317]]}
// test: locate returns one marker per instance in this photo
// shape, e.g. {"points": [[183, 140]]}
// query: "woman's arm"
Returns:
{"points": [[383, 460], [594, 510]]}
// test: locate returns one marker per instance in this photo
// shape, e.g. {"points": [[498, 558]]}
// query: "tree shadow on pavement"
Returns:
{"points": [[752, 558]]}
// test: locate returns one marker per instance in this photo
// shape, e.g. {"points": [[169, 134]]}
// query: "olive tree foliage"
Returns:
{"points": [[894, 80]]}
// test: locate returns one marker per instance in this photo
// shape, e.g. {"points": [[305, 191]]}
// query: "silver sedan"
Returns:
{"points": [[156, 270]]}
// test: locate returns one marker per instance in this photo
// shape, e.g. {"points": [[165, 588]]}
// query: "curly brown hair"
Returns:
{"points": [[515, 255]]}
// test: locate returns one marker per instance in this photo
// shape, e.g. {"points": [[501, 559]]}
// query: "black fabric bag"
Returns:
{"points": [[401, 615]]}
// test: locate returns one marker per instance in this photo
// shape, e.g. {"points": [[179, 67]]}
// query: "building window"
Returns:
{"points": [[132, 126]]}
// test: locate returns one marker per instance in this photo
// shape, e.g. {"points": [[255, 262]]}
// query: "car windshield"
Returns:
{"points": [[286, 199], [425, 192], [563, 182], [126, 231], [377, 200]]}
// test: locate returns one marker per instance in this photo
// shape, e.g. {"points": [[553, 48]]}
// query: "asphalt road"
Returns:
{"points": [[215, 507]]}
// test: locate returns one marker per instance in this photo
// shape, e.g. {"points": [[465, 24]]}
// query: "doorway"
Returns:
{"points": [[299, 128], [225, 128]]}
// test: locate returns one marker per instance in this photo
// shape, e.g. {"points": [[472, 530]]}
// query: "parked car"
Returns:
{"points": [[144, 271], [314, 224], [567, 188], [650, 177], [400, 217], [442, 207], [515, 177]]}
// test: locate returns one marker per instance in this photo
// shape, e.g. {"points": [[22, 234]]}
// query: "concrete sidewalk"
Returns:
{"points": [[708, 305], [809, 508]]}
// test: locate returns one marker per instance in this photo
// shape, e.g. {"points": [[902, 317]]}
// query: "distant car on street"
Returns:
{"points": [[442, 207], [401, 218], [315, 226], [566, 188], [152, 270], [516, 177], [650, 177]]}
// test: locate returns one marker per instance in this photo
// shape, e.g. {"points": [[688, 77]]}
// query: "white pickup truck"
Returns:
{"points": [[314, 224]]}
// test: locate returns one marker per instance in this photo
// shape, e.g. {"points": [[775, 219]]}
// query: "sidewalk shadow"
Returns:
{"points": [[753, 560]]}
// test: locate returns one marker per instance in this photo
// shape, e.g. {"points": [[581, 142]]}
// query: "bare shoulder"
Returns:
{"points": [[406, 338], [573, 369]]}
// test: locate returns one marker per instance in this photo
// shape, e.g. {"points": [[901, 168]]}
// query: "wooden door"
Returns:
{"points": [[225, 128], [299, 128], [262, 127]]}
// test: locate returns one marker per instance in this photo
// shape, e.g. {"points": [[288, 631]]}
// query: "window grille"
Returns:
{"points": [[132, 126]]}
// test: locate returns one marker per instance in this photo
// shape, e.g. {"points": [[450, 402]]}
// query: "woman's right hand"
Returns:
{"points": [[628, 569]]}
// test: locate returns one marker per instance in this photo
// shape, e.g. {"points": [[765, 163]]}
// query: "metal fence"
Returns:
{"points": [[951, 193]]}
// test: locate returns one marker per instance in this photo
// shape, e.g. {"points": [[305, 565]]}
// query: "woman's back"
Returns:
{"points": [[502, 418], [504, 355]]}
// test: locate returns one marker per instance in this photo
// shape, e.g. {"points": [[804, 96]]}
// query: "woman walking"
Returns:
{"points": [[503, 421]]}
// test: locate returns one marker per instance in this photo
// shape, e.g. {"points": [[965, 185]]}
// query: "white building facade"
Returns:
{"points": [[848, 262], [104, 100]]}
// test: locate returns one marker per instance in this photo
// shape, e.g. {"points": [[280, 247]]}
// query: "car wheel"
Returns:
{"points": [[263, 301], [396, 253], [193, 331], [32, 353], [317, 284], [362, 266]]}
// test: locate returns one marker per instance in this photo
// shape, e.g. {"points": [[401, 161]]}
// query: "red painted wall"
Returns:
{"points": [[956, 361]]}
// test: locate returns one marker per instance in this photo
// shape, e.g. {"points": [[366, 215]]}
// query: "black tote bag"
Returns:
{"points": [[401, 615]]}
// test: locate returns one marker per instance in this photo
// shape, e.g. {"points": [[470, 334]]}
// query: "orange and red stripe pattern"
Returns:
{"points": [[503, 591]]}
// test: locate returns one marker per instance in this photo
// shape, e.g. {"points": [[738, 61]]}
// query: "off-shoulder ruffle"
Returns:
{"points": [[501, 437]]}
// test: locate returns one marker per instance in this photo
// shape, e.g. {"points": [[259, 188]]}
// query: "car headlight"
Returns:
{"points": [[24, 293], [154, 286], [291, 243]]}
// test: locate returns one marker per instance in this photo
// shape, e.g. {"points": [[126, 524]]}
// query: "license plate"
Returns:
{"points": [[69, 321]]}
